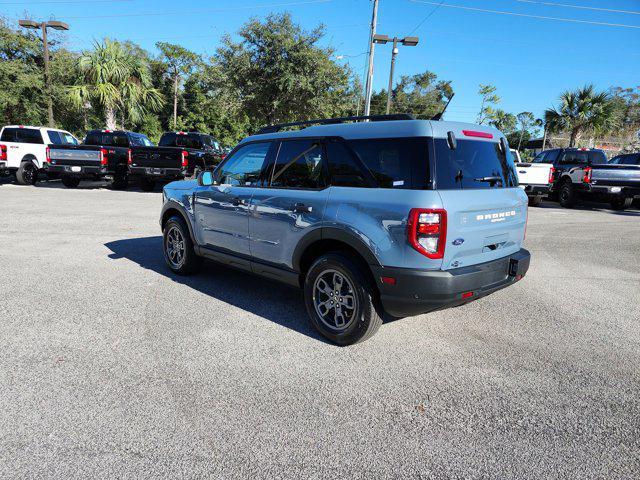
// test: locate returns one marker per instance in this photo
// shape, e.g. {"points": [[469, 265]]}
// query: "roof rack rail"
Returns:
{"points": [[330, 121]]}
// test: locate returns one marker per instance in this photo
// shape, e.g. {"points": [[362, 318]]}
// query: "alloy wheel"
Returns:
{"points": [[335, 300], [175, 247]]}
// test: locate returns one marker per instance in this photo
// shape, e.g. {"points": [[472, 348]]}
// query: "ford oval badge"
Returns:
{"points": [[458, 241]]}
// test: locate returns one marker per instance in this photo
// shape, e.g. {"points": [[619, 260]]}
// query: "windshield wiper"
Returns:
{"points": [[491, 180]]}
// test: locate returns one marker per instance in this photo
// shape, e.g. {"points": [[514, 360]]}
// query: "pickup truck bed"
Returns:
{"points": [[616, 184]]}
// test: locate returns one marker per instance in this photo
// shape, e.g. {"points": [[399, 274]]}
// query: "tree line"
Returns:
{"points": [[272, 71]]}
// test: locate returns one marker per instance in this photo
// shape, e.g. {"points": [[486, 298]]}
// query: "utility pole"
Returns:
{"points": [[369, 84], [47, 79]]}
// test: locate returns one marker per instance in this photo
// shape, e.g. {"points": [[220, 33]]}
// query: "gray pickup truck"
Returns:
{"points": [[614, 182]]}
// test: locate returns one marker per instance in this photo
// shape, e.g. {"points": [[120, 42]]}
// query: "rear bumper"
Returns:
{"points": [[88, 171], [614, 190], [158, 173], [535, 190], [420, 291]]}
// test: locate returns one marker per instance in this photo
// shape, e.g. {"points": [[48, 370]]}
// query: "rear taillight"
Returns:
{"points": [[185, 158], [552, 174], [3, 153], [129, 157], [427, 231], [104, 156], [477, 134], [587, 175]]}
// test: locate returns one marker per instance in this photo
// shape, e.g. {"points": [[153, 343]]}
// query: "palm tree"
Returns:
{"points": [[116, 79], [579, 111]]}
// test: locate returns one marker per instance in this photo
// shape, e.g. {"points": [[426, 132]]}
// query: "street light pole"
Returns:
{"points": [[47, 79], [407, 42], [394, 52], [369, 84]]}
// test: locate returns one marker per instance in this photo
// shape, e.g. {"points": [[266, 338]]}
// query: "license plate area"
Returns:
{"points": [[73, 169], [155, 171]]}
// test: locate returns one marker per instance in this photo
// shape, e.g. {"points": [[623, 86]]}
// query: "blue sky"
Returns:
{"points": [[530, 60]]}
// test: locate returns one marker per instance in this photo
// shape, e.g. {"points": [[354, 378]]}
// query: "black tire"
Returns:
{"points": [[147, 185], [120, 181], [621, 203], [188, 262], [70, 182], [567, 195], [362, 320], [27, 174], [535, 201]]}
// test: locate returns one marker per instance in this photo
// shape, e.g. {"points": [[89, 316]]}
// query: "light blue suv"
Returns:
{"points": [[368, 215]]}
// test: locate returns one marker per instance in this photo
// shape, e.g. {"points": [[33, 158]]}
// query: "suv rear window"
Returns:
{"points": [[473, 165], [395, 162]]}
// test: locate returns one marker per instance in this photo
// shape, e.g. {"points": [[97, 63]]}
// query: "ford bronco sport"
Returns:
{"points": [[368, 215]]}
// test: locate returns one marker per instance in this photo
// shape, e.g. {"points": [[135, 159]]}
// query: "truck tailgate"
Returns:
{"points": [[616, 175], [75, 157], [533, 173], [157, 157]]}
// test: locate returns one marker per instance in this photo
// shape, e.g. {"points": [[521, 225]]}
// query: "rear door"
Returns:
{"points": [[486, 211]]}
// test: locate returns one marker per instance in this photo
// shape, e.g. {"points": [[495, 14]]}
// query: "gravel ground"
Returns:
{"points": [[113, 367]]}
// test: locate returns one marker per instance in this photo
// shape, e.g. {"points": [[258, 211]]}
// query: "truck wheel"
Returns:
{"points": [[535, 201], [147, 185], [341, 300], [27, 174], [178, 247], [621, 203], [567, 195], [120, 181], [70, 182]]}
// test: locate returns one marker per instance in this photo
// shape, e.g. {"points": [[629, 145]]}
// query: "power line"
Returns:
{"points": [[427, 17], [198, 12], [539, 17], [582, 7]]}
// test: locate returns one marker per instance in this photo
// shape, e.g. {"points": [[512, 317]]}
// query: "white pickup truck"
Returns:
{"points": [[536, 177], [24, 150]]}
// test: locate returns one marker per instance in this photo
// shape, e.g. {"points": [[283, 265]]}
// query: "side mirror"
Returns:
{"points": [[205, 179]]}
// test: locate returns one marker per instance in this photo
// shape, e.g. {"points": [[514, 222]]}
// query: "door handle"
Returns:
{"points": [[237, 201], [301, 208]]}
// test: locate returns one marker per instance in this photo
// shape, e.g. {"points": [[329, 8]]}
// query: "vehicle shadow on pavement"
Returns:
{"points": [[266, 298]]}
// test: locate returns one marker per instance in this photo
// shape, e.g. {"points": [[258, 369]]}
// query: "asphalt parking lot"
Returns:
{"points": [[112, 367]]}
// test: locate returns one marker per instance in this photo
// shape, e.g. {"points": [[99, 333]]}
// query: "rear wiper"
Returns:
{"points": [[491, 180]]}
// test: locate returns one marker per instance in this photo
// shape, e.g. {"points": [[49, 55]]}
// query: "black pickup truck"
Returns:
{"points": [[109, 154], [198, 152]]}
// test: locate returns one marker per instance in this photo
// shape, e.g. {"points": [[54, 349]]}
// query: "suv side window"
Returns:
{"points": [[344, 171], [298, 165], [244, 166], [29, 135]]}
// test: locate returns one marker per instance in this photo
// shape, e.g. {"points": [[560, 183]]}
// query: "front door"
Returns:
{"points": [[221, 210], [290, 204]]}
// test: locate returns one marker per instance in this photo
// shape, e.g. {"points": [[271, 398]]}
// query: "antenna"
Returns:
{"points": [[438, 116]]}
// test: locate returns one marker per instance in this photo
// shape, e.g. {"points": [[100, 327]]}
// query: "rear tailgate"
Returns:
{"points": [[616, 175], [157, 157], [533, 173], [75, 155], [483, 225]]}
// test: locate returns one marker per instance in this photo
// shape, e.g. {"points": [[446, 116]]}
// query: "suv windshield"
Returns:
{"points": [[472, 165]]}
